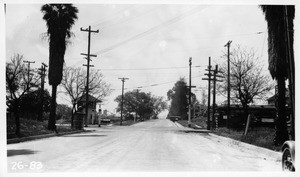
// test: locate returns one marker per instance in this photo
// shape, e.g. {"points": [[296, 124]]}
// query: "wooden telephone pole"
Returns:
{"points": [[209, 74], [88, 69], [215, 79], [123, 80], [28, 74], [228, 82], [43, 74], [190, 92]]}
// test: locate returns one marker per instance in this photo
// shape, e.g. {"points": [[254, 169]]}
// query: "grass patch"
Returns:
{"points": [[198, 123], [258, 136], [32, 128]]}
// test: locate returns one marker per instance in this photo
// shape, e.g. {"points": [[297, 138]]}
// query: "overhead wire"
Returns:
{"points": [[112, 16], [149, 31], [153, 85], [133, 69], [128, 19]]}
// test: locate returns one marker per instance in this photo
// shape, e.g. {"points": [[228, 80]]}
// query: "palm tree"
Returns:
{"points": [[275, 16], [59, 20]]}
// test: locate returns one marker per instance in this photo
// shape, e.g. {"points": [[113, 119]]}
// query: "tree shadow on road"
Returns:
{"points": [[15, 152], [84, 135]]}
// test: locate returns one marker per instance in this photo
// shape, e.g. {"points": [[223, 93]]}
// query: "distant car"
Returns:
{"points": [[105, 120], [174, 118], [288, 156]]}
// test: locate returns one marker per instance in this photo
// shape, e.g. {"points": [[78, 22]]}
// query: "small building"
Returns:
{"points": [[92, 114]]}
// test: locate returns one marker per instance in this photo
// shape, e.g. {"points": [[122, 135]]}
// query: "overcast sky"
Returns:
{"points": [[133, 38]]}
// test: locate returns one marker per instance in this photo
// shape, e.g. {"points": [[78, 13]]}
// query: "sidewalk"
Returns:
{"points": [[29, 138]]}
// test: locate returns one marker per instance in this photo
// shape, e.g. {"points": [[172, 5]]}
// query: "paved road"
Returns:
{"points": [[155, 145]]}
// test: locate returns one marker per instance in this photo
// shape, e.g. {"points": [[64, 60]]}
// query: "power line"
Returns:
{"points": [[214, 37], [154, 85], [133, 69], [173, 20], [97, 23], [128, 19]]}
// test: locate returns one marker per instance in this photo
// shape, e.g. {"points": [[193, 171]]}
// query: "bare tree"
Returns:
{"points": [[17, 83], [248, 82], [97, 86], [74, 82]]}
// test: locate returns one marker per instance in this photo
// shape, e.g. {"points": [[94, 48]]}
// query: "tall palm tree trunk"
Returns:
{"points": [[281, 133], [52, 118]]}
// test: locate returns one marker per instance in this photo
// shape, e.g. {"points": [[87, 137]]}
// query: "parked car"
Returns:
{"points": [[288, 156]]}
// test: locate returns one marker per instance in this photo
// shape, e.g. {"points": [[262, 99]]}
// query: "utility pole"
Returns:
{"points": [[88, 67], [190, 91], [137, 98], [214, 95], [43, 74], [28, 73], [209, 74], [123, 80], [228, 80], [291, 71]]}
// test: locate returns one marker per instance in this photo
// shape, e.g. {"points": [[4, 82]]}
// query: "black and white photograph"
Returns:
{"points": [[153, 88]]}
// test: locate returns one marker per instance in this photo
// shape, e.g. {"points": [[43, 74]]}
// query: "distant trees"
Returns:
{"points": [[30, 104], [179, 99], [247, 79], [59, 19], [159, 105], [74, 82], [143, 104], [16, 86], [63, 111]]}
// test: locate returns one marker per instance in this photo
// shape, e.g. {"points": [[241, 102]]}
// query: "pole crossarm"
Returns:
{"points": [[89, 30], [91, 55]]}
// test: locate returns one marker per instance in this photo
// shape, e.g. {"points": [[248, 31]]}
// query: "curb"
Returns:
{"points": [[196, 131], [275, 154], [29, 138]]}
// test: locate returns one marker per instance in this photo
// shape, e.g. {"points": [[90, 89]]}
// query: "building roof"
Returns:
{"points": [[90, 98]]}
